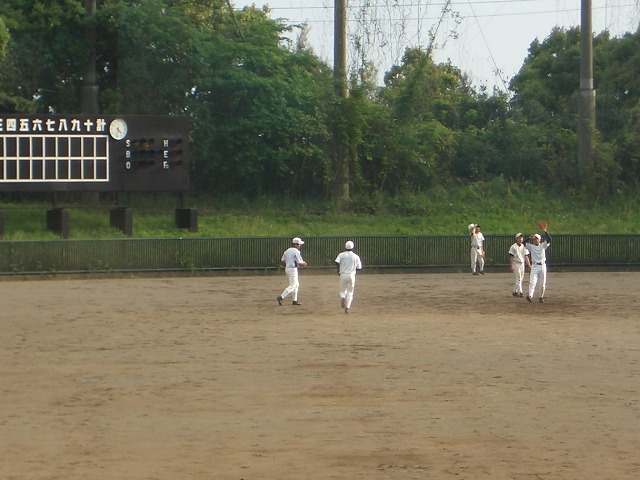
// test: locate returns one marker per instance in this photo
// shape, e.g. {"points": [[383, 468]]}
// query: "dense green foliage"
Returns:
{"points": [[264, 115], [507, 207]]}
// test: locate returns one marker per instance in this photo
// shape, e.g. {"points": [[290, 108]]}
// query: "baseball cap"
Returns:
{"points": [[537, 236], [349, 245], [518, 235], [297, 241]]}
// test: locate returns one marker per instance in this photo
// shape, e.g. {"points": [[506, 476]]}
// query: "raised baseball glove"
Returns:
{"points": [[542, 224]]}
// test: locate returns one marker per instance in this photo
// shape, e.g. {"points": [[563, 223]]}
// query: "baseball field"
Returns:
{"points": [[430, 376]]}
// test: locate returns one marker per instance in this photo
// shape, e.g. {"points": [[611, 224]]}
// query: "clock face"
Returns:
{"points": [[118, 129]]}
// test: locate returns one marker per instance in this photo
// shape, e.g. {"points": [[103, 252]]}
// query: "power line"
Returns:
{"points": [[509, 14], [380, 31], [496, 69], [402, 5]]}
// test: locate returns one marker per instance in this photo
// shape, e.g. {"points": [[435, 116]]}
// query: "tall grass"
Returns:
{"points": [[501, 207]]}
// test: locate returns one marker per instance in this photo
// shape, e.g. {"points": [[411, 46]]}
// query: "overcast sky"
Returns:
{"points": [[487, 39]]}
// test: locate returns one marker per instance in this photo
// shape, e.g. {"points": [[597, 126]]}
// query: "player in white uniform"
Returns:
{"points": [[477, 250], [347, 263], [292, 259], [538, 264], [518, 258]]}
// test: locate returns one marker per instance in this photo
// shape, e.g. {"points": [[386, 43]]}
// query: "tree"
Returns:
{"points": [[261, 113], [545, 95], [7, 103], [45, 55], [258, 110], [546, 85], [4, 40], [617, 76]]}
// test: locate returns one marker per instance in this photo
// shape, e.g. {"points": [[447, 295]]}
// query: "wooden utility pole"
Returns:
{"points": [[587, 95], [89, 93], [341, 152]]}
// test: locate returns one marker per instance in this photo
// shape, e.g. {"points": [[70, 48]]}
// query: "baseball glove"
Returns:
{"points": [[542, 224], [471, 226]]}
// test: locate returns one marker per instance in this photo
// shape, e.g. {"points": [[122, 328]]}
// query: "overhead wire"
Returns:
{"points": [[384, 29], [496, 70], [444, 3]]}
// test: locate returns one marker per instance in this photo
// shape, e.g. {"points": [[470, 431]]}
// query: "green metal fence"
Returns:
{"points": [[263, 253]]}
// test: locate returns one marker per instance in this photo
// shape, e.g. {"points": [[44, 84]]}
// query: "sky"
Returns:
{"points": [[487, 39]]}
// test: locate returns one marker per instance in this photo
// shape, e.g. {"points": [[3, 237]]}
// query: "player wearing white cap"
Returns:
{"points": [[518, 258], [292, 259], [477, 249], [538, 260], [347, 263]]}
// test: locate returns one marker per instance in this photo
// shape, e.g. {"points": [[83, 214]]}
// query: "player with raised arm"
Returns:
{"points": [[477, 249], [538, 259]]}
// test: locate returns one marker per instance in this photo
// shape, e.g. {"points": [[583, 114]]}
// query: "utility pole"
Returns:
{"points": [[587, 95], [89, 92], [341, 152]]}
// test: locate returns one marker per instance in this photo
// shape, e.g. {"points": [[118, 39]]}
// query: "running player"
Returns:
{"points": [[292, 259], [347, 263]]}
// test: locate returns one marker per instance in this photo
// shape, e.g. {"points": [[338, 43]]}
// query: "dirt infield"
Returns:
{"points": [[430, 376]]}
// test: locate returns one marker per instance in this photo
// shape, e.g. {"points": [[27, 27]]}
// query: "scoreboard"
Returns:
{"points": [[120, 153]]}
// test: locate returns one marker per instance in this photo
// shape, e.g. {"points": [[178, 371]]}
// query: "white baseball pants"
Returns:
{"points": [[294, 284], [518, 271], [538, 274], [477, 259], [347, 287]]}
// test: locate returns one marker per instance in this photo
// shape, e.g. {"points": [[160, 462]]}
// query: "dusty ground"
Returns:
{"points": [[431, 376]]}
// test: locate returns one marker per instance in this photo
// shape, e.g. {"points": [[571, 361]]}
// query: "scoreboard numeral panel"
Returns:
{"points": [[94, 153], [52, 158]]}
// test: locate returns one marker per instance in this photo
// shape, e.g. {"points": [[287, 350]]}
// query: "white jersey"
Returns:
{"points": [[349, 262], [291, 257], [518, 252], [537, 253], [477, 240]]}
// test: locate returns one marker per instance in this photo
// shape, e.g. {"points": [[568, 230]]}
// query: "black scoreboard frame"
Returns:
{"points": [[97, 153]]}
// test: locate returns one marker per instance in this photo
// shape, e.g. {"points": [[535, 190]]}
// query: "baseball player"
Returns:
{"points": [[292, 259], [518, 258], [347, 263], [538, 262], [477, 250]]}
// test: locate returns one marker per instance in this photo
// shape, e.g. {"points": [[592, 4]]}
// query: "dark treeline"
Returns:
{"points": [[263, 112]]}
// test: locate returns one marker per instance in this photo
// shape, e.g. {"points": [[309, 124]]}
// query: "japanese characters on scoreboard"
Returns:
{"points": [[94, 153]]}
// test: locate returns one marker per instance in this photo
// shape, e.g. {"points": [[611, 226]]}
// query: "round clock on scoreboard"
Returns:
{"points": [[118, 129]]}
